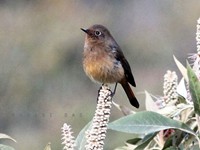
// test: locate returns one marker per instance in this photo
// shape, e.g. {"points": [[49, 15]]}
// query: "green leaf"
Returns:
{"points": [[175, 139], [194, 147], [171, 148], [130, 144], [194, 86], [146, 140], [5, 136], [81, 139], [181, 90], [123, 148], [168, 143], [133, 141], [147, 122], [149, 103], [182, 69], [5, 147], [125, 110]]}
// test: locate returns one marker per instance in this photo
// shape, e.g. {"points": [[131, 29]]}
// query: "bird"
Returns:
{"points": [[104, 61]]}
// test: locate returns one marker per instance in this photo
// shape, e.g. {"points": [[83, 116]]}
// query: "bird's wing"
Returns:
{"points": [[127, 69]]}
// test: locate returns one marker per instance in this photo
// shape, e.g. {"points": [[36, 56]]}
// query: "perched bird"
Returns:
{"points": [[104, 61]]}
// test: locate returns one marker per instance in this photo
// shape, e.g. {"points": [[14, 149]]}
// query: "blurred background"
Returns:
{"points": [[42, 83]]}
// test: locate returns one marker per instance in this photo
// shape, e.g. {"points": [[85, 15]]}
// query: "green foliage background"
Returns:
{"points": [[42, 83]]}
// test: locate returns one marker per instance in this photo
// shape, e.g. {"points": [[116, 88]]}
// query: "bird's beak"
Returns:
{"points": [[84, 30]]}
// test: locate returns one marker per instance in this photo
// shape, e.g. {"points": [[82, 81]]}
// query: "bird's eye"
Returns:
{"points": [[97, 33]]}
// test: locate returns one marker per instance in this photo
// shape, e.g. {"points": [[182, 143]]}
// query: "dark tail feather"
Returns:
{"points": [[130, 94]]}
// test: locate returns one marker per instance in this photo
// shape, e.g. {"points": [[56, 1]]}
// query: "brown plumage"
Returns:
{"points": [[104, 62]]}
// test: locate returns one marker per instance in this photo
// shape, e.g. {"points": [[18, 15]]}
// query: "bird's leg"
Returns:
{"points": [[112, 92]]}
